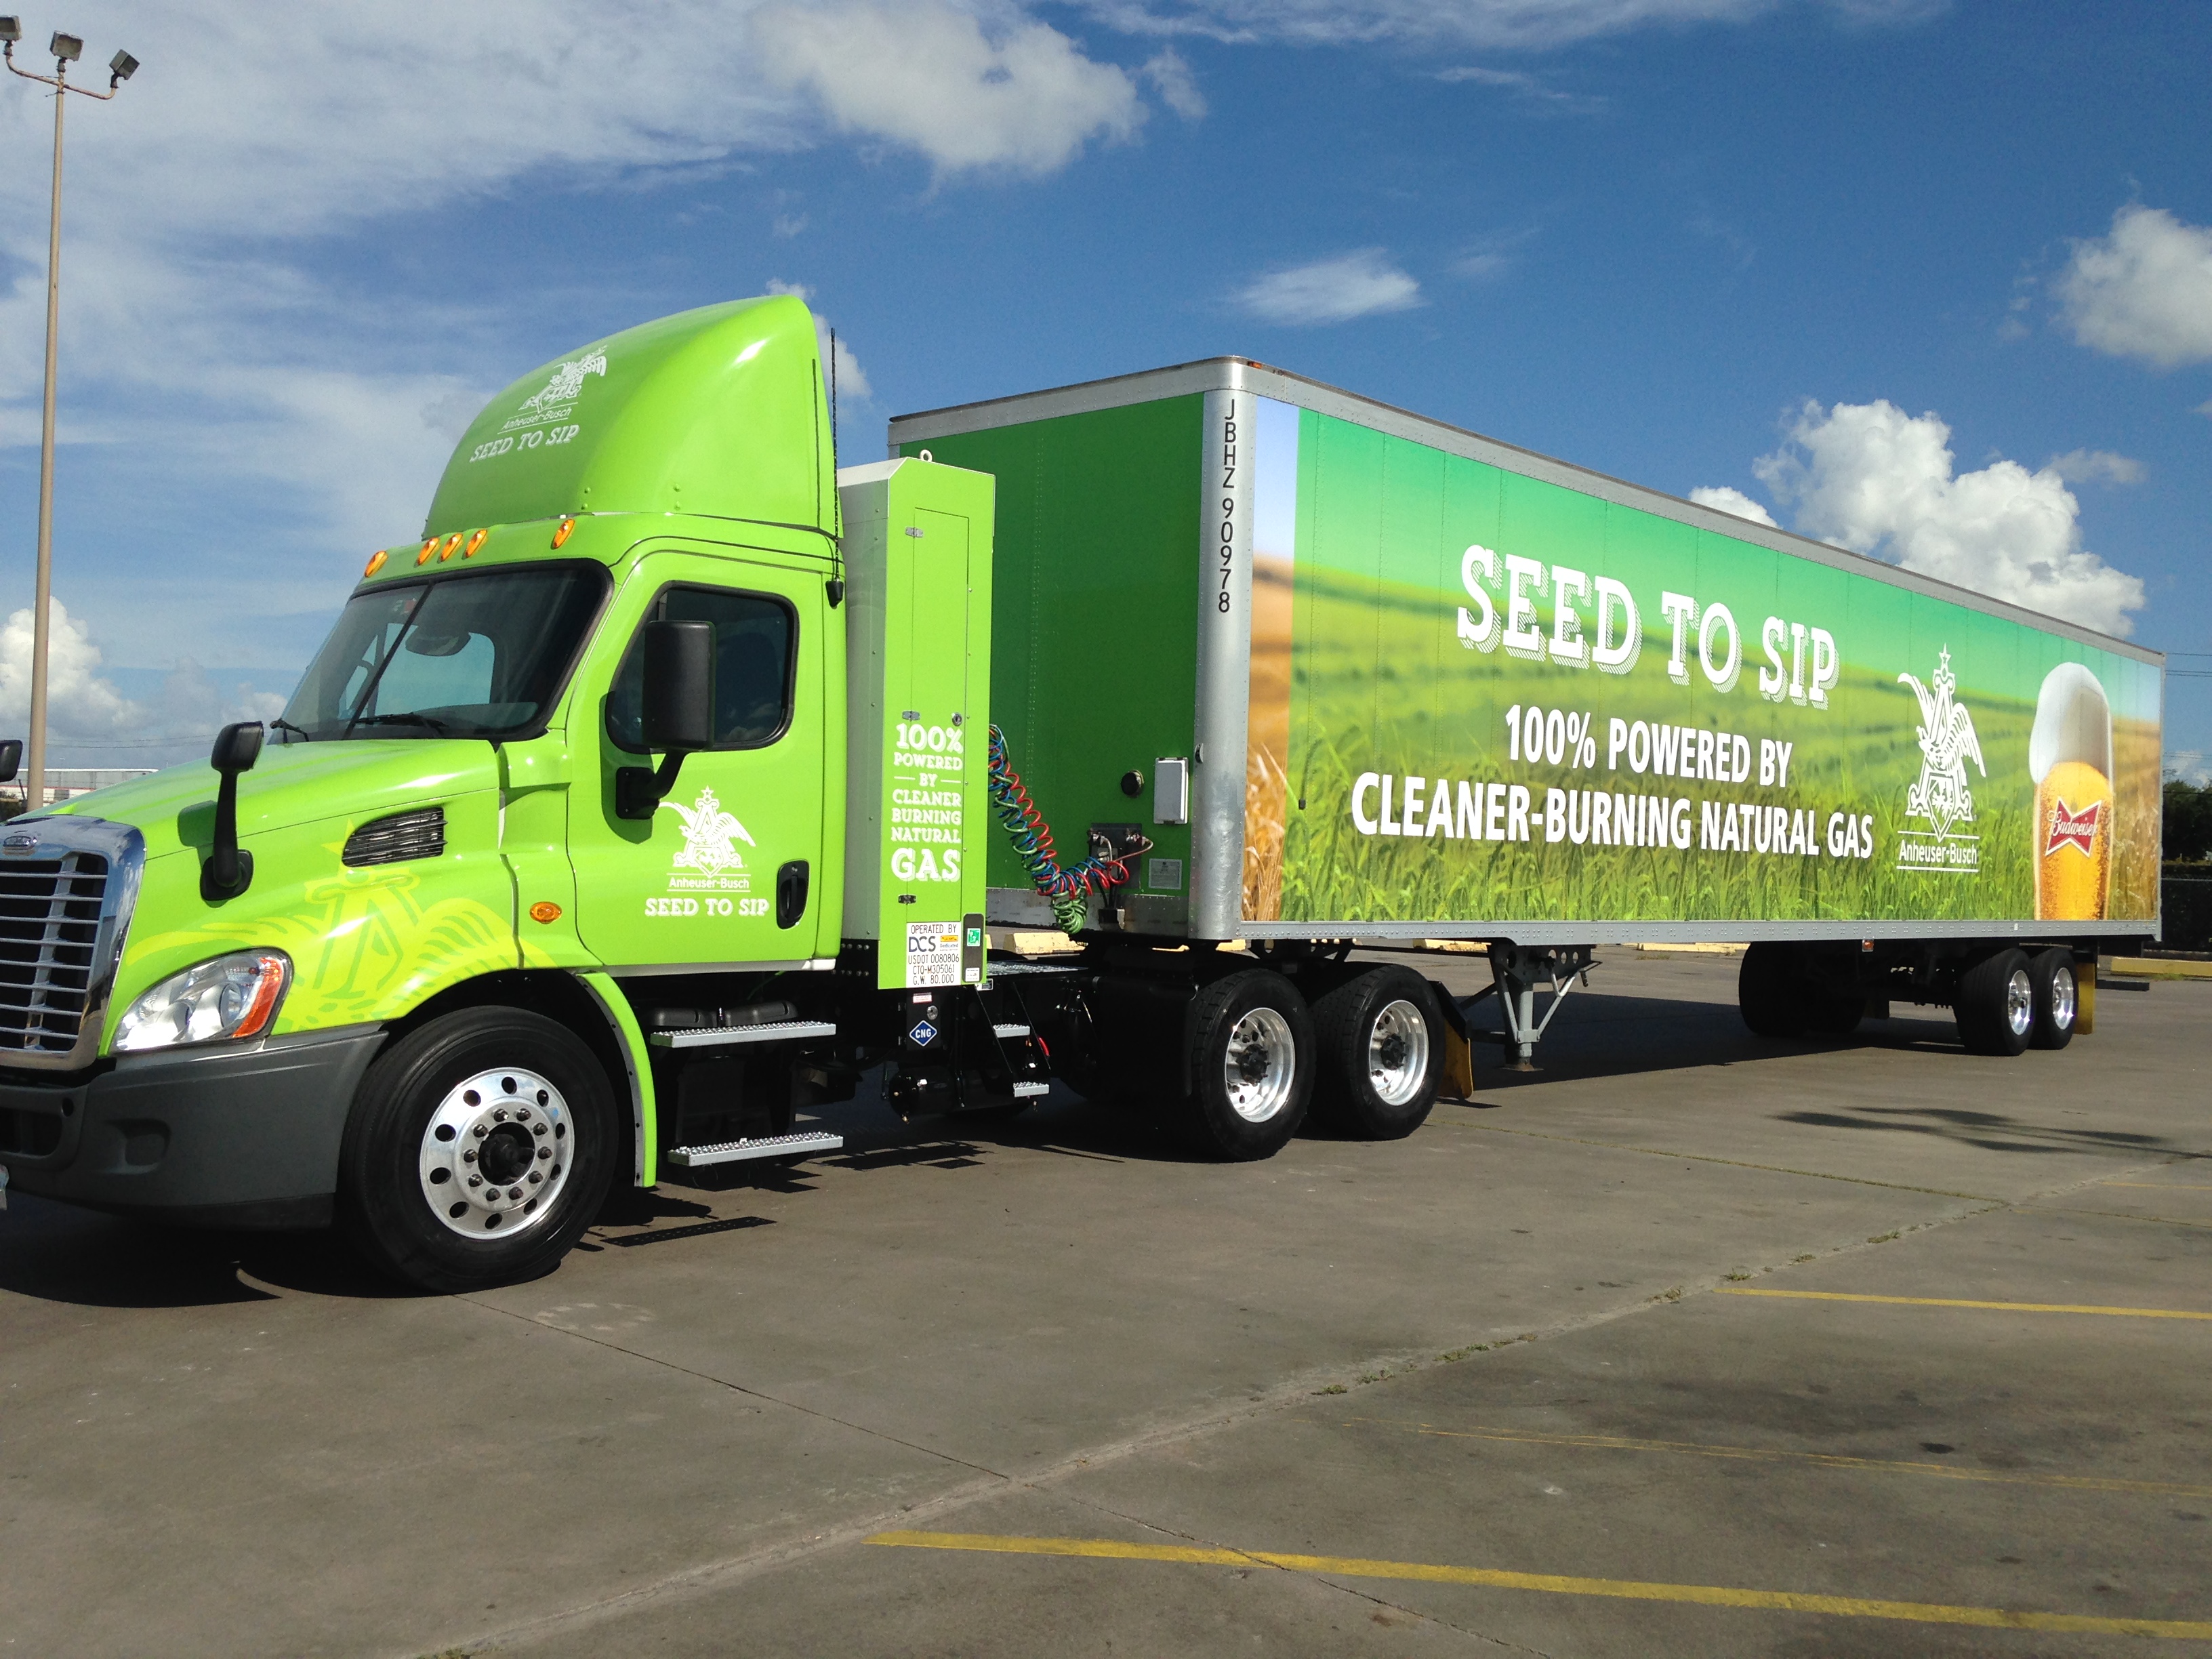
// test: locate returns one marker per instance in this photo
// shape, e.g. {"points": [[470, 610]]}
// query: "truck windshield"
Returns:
{"points": [[475, 656]]}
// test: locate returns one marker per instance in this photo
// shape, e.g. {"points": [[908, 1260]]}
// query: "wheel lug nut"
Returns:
{"points": [[476, 1181], [537, 1129], [544, 1151], [499, 1116], [470, 1156], [481, 1132], [515, 1192], [535, 1178]]}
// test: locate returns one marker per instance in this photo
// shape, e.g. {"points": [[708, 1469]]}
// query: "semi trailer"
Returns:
{"points": [[674, 781]]}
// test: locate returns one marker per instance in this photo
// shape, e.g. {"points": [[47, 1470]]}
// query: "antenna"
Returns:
{"points": [[833, 398]]}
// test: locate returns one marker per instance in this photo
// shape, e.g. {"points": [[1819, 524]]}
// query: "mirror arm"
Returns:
{"points": [[229, 869], [639, 790]]}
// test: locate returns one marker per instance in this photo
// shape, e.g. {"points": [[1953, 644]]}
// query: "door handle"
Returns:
{"points": [[791, 893]]}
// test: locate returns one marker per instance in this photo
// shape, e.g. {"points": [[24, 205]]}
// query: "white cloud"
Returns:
{"points": [[852, 380], [1870, 477], [2188, 765], [1722, 499], [90, 720], [1550, 100], [925, 75], [1177, 86], [2144, 291], [80, 702], [1515, 23], [1365, 283], [2097, 466]]}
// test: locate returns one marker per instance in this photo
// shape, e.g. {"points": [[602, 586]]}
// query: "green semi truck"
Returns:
{"points": [[674, 779]]}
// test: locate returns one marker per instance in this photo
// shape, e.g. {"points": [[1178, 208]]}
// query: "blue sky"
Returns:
{"points": [[1930, 280]]}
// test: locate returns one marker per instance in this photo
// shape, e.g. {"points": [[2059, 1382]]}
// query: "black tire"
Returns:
{"points": [[1770, 991], [1248, 1047], [525, 1102], [1996, 1004], [1831, 1013], [1377, 1084], [2057, 999]]}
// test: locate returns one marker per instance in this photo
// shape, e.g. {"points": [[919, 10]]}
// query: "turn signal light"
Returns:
{"points": [[544, 910], [375, 563], [567, 528]]}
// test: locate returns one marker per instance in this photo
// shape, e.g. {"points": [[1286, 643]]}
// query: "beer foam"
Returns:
{"points": [[2072, 722]]}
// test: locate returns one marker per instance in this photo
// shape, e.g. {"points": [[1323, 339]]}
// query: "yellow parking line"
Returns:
{"points": [[1822, 1460], [1711, 1595], [1959, 1302]]}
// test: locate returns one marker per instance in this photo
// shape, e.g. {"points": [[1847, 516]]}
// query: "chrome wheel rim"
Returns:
{"points": [[1260, 1065], [2019, 1002], [2064, 999], [496, 1153], [1398, 1053]]}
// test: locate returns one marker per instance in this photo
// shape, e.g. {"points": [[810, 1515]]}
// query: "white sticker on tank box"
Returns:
{"points": [[932, 953], [1163, 875]]}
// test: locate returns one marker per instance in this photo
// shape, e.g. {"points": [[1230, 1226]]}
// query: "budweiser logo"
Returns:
{"points": [[2071, 828]]}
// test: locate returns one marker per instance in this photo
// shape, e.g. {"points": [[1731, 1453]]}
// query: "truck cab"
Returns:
{"points": [[541, 880]]}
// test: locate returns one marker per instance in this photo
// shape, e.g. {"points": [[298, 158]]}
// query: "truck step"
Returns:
{"points": [[1027, 1090], [1004, 1031], [732, 1152], [725, 1037]]}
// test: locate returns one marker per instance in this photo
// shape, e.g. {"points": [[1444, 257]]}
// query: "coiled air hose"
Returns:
{"points": [[1066, 887]]}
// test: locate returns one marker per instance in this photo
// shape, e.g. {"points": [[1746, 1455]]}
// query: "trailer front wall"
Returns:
{"points": [[1093, 627], [1742, 735]]}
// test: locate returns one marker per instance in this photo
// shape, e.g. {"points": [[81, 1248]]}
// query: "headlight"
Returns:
{"points": [[233, 996]]}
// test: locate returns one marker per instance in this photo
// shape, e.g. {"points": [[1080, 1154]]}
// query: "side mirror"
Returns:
{"points": [[11, 759], [229, 871], [678, 704], [236, 748], [676, 711]]}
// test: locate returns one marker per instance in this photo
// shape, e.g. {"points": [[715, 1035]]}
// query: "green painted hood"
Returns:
{"points": [[294, 784], [718, 412]]}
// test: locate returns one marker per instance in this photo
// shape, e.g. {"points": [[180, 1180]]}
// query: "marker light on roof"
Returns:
{"points": [[452, 546], [375, 563], [476, 541], [428, 548], [567, 528]]}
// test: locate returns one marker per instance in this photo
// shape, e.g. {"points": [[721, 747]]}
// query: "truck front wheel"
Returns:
{"points": [[1380, 1039], [478, 1149], [1250, 1048]]}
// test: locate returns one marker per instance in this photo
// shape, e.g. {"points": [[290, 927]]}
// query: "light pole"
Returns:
{"points": [[66, 49]]}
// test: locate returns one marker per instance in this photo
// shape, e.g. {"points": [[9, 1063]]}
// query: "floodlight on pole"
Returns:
{"points": [[67, 49]]}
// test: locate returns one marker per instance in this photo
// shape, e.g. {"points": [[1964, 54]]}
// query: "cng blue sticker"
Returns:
{"points": [[923, 1035]]}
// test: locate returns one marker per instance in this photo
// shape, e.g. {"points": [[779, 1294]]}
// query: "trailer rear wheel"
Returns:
{"points": [[1380, 1038], [1250, 1042], [1995, 1003], [2057, 999], [1771, 991], [478, 1149]]}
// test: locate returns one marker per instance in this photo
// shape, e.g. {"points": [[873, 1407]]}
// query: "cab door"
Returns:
{"points": [[727, 873]]}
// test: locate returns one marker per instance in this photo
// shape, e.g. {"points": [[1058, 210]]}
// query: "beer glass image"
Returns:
{"points": [[2070, 755]]}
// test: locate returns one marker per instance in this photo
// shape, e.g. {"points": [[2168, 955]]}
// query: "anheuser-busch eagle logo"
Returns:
{"points": [[2071, 828]]}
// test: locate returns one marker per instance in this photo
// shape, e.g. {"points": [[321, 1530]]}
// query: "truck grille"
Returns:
{"points": [[49, 934]]}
